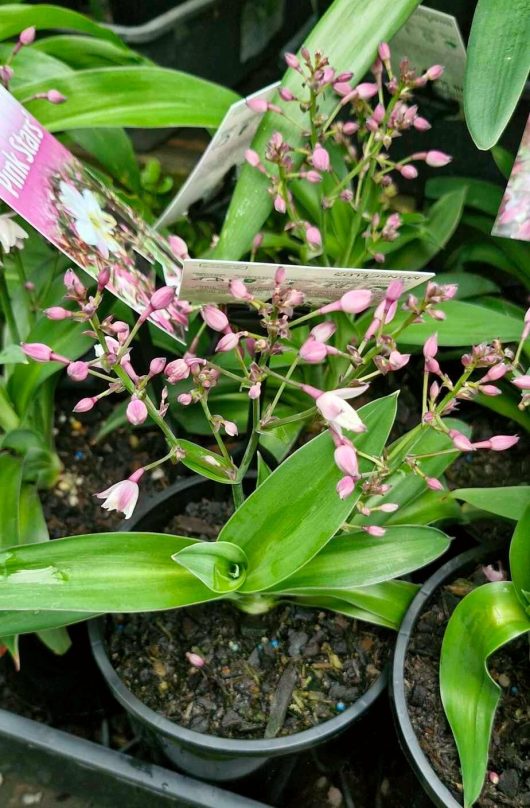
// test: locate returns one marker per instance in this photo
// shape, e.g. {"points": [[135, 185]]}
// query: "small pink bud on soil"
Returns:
{"points": [[195, 660]]}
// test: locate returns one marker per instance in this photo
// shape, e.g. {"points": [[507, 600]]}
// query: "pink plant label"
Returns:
{"points": [[208, 281], [52, 190], [513, 218]]}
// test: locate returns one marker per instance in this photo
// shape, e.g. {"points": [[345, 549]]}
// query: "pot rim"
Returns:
{"points": [[420, 763], [234, 746]]}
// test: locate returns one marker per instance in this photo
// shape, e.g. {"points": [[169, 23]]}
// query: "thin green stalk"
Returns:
{"points": [[5, 304], [272, 406], [218, 438]]}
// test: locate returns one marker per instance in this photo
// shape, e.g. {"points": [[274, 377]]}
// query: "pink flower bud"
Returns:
{"points": [[346, 460], [257, 241], [73, 284], [495, 373], [185, 399], [178, 247], [493, 575], [239, 290], [460, 441], [286, 94], [214, 317], [350, 127], [430, 348], [389, 507], [313, 237], [320, 158], [421, 124], [313, 351], [162, 298], [323, 331], [230, 428], [342, 88], [85, 404], [522, 382], [177, 370], [57, 313], [499, 443], [367, 90], [157, 365], [291, 60], [227, 343], [526, 329], [258, 105], [103, 278], [6, 74], [490, 390], [136, 412], [254, 391], [312, 176], [384, 52], [434, 484], [27, 36], [78, 371], [195, 660], [55, 97], [37, 351], [353, 302], [279, 276], [437, 159], [374, 530], [345, 487], [252, 158], [280, 205], [408, 172], [434, 73]]}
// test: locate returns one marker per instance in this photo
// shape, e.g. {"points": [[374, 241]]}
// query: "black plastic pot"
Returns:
{"points": [[207, 756], [432, 785]]}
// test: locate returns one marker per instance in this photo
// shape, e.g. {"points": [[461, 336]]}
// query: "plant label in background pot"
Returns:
{"points": [[225, 150], [54, 192], [513, 218], [428, 37], [207, 281]]}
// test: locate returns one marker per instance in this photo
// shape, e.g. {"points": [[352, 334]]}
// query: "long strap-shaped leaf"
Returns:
{"points": [[296, 510], [130, 96], [348, 34], [485, 620], [101, 572], [355, 559], [15, 17], [498, 61]]}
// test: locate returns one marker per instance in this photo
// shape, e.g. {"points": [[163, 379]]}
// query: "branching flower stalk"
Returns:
{"points": [[372, 351], [345, 160]]}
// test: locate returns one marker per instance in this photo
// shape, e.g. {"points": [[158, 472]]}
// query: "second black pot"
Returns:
{"points": [[209, 757]]}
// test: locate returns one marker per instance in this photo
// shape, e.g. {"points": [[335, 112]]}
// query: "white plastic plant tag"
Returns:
{"points": [[226, 149], [432, 37], [208, 281], [513, 218]]}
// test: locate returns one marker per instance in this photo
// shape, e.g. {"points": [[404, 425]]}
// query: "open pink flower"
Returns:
{"points": [[122, 496]]}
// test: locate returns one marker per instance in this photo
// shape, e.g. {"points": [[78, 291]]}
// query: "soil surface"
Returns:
{"points": [[264, 676], [509, 749]]}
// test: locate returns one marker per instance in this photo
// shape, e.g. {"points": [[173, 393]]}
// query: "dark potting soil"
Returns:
{"points": [[273, 674], [510, 745]]}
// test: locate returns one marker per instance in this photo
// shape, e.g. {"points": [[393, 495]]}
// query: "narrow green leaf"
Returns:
{"points": [[209, 464], [220, 565], [480, 194], [15, 17], [465, 324], [28, 622], [356, 559], [99, 572], [263, 470], [296, 511], [503, 160], [520, 559], [56, 639], [10, 483], [348, 34], [85, 51], [130, 96], [497, 65], [483, 621], [509, 501], [442, 221], [13, 355]]}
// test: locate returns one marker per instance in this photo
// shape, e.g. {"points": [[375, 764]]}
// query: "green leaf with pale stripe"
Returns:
{"points": [[484, 621], [497, 66], [348, 33], [99, 572], [15, 17], [296, 510], [357, 559], [130, 96], [509, 502]]}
